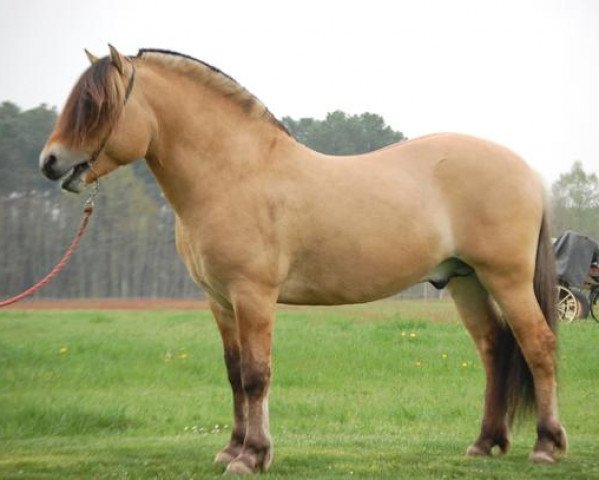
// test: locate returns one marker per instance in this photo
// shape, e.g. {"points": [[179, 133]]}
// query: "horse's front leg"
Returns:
{"points": [[254, 314], [225, 320]]}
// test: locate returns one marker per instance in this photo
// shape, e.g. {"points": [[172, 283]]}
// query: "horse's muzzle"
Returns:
{"points": [[72, 177]]}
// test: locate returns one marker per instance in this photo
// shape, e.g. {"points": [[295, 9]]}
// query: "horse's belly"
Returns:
{"points": [[314, 293], [323, 280]]}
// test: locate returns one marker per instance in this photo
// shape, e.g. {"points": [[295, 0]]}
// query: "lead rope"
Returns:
{"points": [[88, 209]]}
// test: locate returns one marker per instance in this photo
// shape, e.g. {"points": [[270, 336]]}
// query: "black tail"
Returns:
{"points": [[514, 374], [545, 281]]}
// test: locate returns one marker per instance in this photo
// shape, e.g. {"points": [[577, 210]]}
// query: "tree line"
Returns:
{"points": [[129, 249]]}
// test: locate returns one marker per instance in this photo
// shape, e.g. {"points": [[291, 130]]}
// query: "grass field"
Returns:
{"points": [[388, 390]]}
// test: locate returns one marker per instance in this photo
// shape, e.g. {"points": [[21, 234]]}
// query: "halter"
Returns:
{"points": [[96, 153]]}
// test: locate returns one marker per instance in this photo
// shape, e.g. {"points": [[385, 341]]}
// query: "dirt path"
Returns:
{"points": [[112, 304]]}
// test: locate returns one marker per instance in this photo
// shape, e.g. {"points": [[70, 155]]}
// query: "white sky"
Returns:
{"points": [[524, 73]]}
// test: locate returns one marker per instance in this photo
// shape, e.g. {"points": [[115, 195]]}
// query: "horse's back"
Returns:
{"points": [[378, 223]]}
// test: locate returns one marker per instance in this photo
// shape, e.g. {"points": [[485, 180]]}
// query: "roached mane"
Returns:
{"points": [[211, 77]]}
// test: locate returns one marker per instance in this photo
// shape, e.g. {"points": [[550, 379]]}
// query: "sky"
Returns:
{"points": [[523, 73]]}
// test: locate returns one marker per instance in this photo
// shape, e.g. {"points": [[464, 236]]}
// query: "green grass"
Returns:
{"points": [[388, 390]]}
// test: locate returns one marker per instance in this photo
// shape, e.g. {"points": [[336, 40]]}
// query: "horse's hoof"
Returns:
{"points": [[476, 451], [486, 449], [247, 463], [223, 458], [540, 456], [238, 467], [552, 442]]}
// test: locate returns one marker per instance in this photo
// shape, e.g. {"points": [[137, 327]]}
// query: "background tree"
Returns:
{"points": [[343, 134], [22, 134], [575, 197], [129, 247]]}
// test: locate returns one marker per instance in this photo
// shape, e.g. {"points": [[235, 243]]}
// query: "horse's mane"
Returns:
{"points": [[211, 77], [96, 100]]}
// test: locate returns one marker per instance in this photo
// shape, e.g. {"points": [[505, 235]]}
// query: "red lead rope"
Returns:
{"points": [[87, 212]]}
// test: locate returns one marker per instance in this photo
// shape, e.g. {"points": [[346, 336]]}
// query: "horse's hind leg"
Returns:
{"points": [[482, 322], [225, 320], [514, 293]]}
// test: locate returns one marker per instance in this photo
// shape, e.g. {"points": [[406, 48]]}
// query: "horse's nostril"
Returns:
{"points": [[48, 167], [51, 160]]}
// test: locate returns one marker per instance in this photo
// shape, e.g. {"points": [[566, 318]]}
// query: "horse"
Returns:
{"points": [[262, 219]]}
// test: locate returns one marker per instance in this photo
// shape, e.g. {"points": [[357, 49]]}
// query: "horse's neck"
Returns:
{"points": [[200, 154]]}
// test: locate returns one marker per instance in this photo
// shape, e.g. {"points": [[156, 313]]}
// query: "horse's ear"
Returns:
{"points": [[90, 56], [117, 59]]}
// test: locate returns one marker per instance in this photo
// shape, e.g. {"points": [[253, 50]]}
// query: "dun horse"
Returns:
{"points": [[262, 219]]}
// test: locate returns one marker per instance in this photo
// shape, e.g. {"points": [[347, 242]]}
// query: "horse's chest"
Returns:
{"points": [[201, 271], [191, 254], [214, 262]]}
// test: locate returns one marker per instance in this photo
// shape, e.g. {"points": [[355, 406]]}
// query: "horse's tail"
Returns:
{"points": [[514, 369], [545, 280]]}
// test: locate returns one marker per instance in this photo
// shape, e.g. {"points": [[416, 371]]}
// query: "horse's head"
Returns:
{"points": [[102, 122]]}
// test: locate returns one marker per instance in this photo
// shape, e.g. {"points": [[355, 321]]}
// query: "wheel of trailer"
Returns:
{"points": [[583, 301], [595, 303], [568, 307]]}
